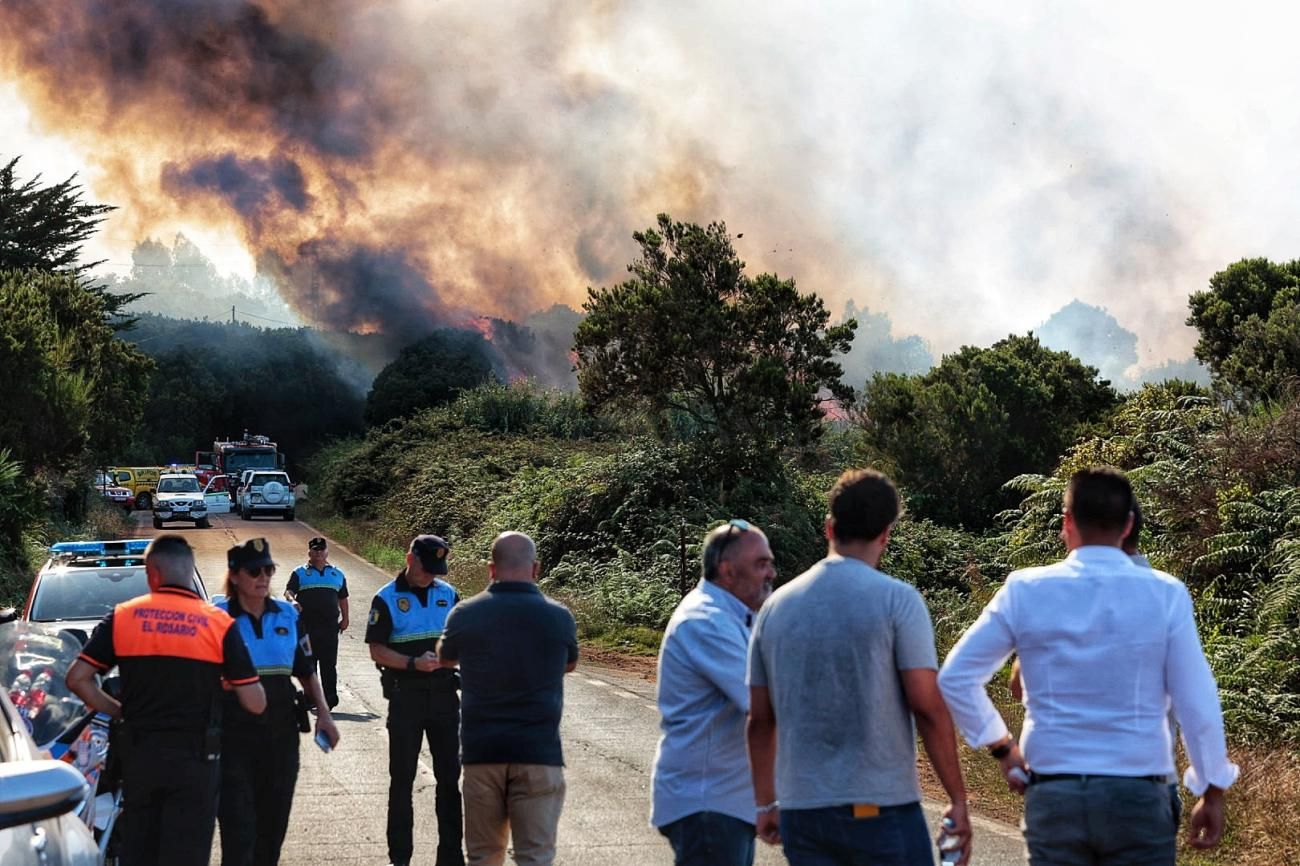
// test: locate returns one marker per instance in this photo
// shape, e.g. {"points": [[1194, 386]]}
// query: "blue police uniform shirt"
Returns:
{"points": [[319, 592], [279, 648], [410, 620]]}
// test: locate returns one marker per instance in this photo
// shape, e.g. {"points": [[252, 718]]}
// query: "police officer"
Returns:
{"points": [[173, 648], [259, 764], [406, 620], [322, 592]]}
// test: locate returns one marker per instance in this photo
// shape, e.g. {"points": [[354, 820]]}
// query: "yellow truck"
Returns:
{"points": [[142, 481]]}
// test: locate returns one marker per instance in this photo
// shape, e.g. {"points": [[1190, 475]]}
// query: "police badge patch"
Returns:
{"points": [[374, 616], [403, 604]]}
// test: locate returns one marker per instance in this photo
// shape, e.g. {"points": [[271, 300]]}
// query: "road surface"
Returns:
{"points": [[609, 732]]}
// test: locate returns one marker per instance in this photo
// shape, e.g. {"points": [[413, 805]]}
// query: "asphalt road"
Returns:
{"points": [[609, 731]]}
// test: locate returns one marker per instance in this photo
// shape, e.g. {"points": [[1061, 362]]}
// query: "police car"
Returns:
{"points": [[84, 580]]}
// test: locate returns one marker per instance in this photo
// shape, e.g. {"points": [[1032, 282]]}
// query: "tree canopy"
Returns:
{"points": [[1249, 321], [430, 372], [43, 228], [748, 359], [955, 435], [71, 389]]}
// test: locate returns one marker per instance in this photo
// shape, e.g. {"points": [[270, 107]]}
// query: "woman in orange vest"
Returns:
{"points": [[259, 755]]}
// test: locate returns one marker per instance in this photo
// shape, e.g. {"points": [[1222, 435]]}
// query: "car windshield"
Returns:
{"points": [[237, 461], [90, 593], [259, 480], [178, 485], [86, 593]]}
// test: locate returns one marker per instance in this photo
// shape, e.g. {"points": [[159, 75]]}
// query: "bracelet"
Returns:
{"points": [[770, 807]]}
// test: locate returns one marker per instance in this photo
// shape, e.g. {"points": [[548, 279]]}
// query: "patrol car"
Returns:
{"points": [[84, 580], [179, 497]]}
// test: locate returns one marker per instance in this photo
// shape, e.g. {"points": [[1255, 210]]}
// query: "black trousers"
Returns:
{"points": [[325, 649], [170, 798], [415, 715], [257, 782]]}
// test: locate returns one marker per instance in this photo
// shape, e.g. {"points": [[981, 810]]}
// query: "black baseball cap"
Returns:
{"points": [[432, 552], [318, 543], [253, 553]]}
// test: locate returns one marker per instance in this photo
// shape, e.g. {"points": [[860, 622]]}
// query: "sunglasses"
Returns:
{"points": [[735, 528], [259, 570]]}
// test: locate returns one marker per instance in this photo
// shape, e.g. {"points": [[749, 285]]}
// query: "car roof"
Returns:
{"points": [[178, 475]]}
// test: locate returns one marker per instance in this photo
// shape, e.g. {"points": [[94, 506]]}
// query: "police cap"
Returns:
{"points": [[253, 553], [317, 543], [432, 552]]}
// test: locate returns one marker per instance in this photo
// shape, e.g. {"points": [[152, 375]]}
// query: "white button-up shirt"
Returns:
{"points": [[1106, 649]]}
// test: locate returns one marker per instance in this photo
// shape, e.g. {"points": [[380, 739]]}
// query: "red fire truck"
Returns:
{"points": [[231, 457]]}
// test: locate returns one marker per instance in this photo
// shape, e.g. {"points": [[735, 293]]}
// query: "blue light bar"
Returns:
{"points": [[133, 547]]}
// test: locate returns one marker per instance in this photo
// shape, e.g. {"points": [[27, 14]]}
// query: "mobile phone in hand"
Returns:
{"points": [[322, 741]]}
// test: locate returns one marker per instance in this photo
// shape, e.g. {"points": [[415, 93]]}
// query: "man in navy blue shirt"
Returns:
{"points": [[321, 591], [514, 646]]}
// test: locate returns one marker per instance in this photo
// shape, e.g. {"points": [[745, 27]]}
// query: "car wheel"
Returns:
{"points": [[157, 524], [245, 515], [144, 502], [202, 523]]}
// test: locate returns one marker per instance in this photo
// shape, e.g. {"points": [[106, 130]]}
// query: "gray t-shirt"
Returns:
{"points": [[829, 645]]}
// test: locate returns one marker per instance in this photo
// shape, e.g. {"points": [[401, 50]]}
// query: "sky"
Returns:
{"points": [[966, 169]]}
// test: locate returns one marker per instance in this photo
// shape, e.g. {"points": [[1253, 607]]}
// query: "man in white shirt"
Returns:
{"points": [[1106, 648]]}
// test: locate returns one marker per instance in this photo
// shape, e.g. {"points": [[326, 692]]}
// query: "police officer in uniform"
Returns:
{"points": [[259, 762], [173, 648], [322, 592], [406, 621]]}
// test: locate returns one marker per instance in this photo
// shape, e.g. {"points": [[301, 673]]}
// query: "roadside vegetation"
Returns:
{"points": [[704, 393]]}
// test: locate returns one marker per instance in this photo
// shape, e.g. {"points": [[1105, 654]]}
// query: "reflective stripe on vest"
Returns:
{"points": [[310, 578], [272, 653], [412, 620], [172, 625]]}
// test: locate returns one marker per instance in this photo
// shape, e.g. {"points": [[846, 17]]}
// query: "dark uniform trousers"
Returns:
{"points": [[418, 711], [257, 782], [325, 650], [170, 793]]}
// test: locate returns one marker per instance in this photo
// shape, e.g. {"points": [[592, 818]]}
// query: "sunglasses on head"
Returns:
{"points": [[735, 528], [259, 570]]}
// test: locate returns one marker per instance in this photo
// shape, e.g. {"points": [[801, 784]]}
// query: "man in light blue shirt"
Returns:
{"points": [[703, 797]]}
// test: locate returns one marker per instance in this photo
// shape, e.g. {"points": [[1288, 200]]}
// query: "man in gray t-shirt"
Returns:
{"points": [[841, 661]]}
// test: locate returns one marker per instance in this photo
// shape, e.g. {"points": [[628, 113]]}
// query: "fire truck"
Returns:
{"points": [[231, 457]]}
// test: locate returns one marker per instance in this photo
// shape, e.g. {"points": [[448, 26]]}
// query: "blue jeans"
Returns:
{"points": [[1100, 821], [710, 839], [898, 836]]}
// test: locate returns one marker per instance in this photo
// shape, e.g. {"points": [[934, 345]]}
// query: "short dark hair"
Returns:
{"points": [[863, 504], [173, 557], [1134, 537], [1099, 498]]}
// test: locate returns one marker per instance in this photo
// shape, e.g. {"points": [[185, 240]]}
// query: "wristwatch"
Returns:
{"points": [[410, 663], [1001, 750]]}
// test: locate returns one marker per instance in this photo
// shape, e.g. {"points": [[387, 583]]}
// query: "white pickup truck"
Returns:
{"points": [[265, 492]]}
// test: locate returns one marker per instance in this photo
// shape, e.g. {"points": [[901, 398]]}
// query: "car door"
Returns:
{"points": [[218, 500]]}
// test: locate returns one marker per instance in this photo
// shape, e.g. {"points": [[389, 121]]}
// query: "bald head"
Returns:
{"points": [[514, 557]]}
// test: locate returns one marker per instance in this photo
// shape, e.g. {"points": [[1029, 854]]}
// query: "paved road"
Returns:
{"points": [[610, 729]]}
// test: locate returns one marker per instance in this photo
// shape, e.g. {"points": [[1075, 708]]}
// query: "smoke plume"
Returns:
{"points": [[965, 169]]}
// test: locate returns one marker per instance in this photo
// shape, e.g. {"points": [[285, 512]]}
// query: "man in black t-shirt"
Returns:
{"points": [[173, 649], [321, 591], [514, 646]]}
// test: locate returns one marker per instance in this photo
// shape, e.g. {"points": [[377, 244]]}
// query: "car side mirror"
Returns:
{"points": [[8, 614], [36, 790]]}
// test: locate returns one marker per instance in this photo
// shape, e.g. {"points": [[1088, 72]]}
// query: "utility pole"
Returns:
{"points": [[681, 542], [232, 314]]}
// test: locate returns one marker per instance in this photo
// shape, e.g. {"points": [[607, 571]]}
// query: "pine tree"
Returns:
{"points": [[43, 228]]}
